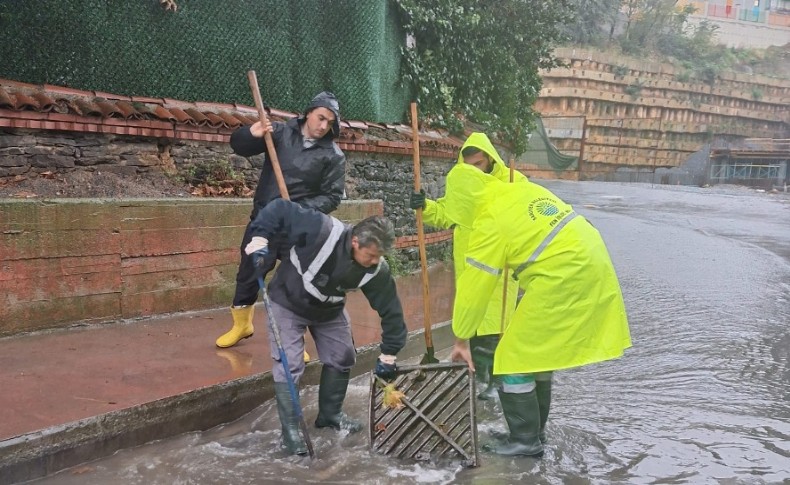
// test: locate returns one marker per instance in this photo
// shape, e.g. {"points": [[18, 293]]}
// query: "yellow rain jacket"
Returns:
{"points": [[572, 311], [465, 186]]}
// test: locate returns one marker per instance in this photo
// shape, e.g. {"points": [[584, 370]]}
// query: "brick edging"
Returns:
{"points": [[430, 238]]}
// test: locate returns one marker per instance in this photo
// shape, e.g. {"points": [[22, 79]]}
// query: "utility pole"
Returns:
{"points": [[620, 142], [655, 152], [581, 146]]}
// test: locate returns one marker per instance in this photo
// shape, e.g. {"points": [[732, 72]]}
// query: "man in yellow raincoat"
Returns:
{"points": [[478, 164], [572, 310]]}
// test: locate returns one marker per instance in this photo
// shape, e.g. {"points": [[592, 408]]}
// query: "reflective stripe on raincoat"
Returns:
{"points": [[464, 190], [572, 311]]}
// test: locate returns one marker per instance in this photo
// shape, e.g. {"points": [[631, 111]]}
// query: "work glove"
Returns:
{"points": [[257, 248], [386, 367], [417, 200]]}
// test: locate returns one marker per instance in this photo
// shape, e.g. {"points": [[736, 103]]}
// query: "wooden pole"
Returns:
{"points": [[505, 273], [278, 174], [421, 235]]}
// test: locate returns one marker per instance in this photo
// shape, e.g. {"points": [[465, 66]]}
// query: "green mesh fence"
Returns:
{"points": [[203, 51], [542, 152]]}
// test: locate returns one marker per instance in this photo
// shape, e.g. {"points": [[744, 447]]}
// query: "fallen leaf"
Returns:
{"points": [[82, 469], [24, 195], [199, 191], [392, 398]]}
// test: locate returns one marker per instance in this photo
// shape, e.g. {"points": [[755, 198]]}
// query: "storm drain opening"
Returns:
{"points": [[426, 413]]}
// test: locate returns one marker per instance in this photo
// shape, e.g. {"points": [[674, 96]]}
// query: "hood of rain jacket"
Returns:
{"points": [[327, 100], [466, 184], [464, 190]]}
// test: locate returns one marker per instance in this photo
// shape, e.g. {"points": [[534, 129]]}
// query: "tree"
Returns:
{"points": [[652, 25], [479, 60], [591, 21]]}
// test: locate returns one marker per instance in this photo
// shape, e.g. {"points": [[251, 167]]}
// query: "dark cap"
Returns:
{"points": [[327, 100]]}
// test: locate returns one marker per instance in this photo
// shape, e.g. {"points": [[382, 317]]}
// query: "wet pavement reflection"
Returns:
{"points": [[702, 397]]}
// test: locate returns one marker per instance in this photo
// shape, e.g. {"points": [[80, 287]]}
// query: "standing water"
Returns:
{"points": [[703, 396]]}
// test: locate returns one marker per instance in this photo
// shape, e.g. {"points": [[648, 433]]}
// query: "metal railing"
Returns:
{"points": [[746, 171]]}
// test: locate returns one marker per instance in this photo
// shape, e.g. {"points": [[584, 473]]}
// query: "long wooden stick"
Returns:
{"points": [[426, 300], [275, 329], [504, 274], [278, 174]]}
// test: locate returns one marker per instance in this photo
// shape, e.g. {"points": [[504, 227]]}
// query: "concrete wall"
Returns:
{"points": [[73, 261]]}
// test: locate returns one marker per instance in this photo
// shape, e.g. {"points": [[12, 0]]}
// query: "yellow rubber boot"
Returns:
{"points": [[242, 326]]}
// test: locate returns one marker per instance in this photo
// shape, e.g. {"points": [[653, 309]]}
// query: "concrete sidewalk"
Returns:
{"points": [[68, 375], [73, 395]]}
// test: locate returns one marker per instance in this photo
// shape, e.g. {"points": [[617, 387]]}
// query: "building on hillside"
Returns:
{"points": [[745, 23]]}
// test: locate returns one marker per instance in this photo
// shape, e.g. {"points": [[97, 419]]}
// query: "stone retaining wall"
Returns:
{"points": [[369, 175], [388, 177]]}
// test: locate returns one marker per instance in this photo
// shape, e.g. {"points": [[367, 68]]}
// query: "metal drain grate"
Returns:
{"points": [[437, 419]]}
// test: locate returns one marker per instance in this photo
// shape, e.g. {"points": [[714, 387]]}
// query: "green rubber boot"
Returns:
{"points": [[331, 393], [523, 419], [292, 439], [482, 348], [543, 391]]}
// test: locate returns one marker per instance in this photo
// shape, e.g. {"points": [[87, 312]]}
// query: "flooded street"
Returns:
{"points": [[703, 396]]}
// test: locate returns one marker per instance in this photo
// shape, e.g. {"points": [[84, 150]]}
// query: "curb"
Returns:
{"points": [[50, 450]]}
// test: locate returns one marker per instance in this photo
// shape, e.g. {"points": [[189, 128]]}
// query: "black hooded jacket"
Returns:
{"points": [[315, 176], [319, 269]]}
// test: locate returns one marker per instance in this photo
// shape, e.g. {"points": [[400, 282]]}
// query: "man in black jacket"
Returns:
{"points": [[313, 167], [325, 259]]}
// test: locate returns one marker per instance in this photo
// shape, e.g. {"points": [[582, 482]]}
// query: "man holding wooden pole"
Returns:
{"points": [[308, 292], [478, 164], [313, 168]]}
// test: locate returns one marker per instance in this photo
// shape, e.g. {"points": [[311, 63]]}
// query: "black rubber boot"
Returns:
{"points": [[292, 440], [523, 419], [543, 391], [331, 393]]}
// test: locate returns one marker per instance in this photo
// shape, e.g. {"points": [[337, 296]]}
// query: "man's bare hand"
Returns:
{"points": [[258, 129], [461, 353]]}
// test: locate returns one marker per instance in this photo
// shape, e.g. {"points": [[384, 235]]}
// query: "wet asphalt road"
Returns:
{"points": [[703, 396]]}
